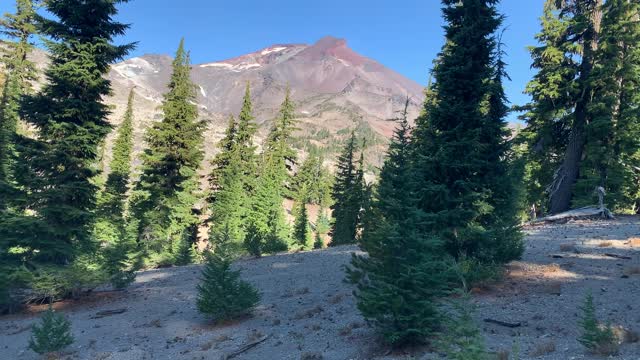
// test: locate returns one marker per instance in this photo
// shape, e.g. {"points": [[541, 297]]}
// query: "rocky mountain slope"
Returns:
{"points": [[335, 89]]}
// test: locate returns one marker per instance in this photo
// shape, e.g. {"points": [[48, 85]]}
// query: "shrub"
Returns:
{"points": [[597, 338], [222, 295], [49, 283], [477, 273], [13, 282], [53, 334]]}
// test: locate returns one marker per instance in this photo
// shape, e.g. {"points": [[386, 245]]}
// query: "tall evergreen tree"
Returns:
{"points": [[114, 195], [460, 150], [301, 228], [71, 121], [223, 158], [582, 126], [584, 19], [20, 72], [398, 282], [267, 217], [347, 194], [247, 129], [234, 182], [612, 135], [549, 113], [110, 227], [315, 177], [227, 189], [167, 190]]}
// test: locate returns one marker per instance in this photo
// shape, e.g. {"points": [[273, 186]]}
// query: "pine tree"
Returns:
{"points": [[463, 339], [168, 188], [301, 228], [402, 276], [20, 72], [583, 23], [226, 189], [612, 133], [548, 115], [53, 334], [234, 181], [267, 213], [347, 194], [322, 228], [223, 158], [315, 177], [222, 294], [460, 150], [582, 130], [244, 145], [595, 337], [15, 78], [119, 249], [71, 120]]}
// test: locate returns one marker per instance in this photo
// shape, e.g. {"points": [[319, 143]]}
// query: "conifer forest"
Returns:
{"points": [[155, 208]]}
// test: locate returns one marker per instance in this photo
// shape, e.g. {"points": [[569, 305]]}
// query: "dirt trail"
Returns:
{"points": [[307, 310]]}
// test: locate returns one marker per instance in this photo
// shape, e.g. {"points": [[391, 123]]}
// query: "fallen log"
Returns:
{"points": [[244, 348], [105, 313], [623, 257], [503, 323], [588, 211]]}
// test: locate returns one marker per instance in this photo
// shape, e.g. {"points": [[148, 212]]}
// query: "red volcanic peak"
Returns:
{"points": [[329, 46]]}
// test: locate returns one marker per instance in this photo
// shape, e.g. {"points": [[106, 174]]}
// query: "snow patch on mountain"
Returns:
{"points": [[223, 65], [232, 67], [272, 50], [134, 67]]}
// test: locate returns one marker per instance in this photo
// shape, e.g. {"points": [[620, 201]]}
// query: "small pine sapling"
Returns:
{"points": [[222, 295], [53, 333], [597, 338]]}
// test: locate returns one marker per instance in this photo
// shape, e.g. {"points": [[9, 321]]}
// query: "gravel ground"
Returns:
{"points": [[308, 312]]}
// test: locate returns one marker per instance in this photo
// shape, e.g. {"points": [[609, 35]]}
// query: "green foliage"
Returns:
{"points": [[318, 242], [269, 230], [462, 339], [222, 295], [53, 333], [584, 93], [110, 228], [12, 280], [475, 272], [19, 73], [301, 228], [233, 182], [595, 337], [400, 281], [348, 196], [51, 282], [57, 168], [167, 192], [315, 178], [461, 134]]}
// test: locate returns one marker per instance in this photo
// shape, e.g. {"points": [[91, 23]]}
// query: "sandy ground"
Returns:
{"points": [[308, 312]]}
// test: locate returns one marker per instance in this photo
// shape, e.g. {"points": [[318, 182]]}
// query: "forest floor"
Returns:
{"points": [[307, 311]]}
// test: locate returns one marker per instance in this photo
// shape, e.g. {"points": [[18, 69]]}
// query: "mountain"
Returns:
{"points": [[334, 88]]}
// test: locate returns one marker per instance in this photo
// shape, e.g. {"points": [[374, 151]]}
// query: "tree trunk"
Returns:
{"points": [[560, 191]]}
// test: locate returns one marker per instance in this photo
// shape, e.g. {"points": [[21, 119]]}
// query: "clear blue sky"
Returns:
{"points": [[403, 35]]}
